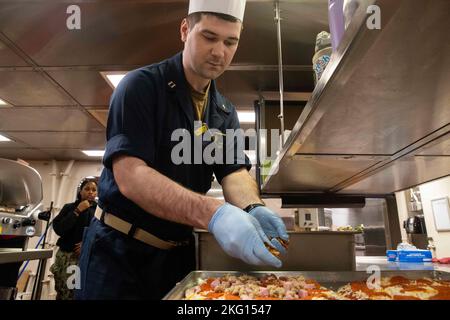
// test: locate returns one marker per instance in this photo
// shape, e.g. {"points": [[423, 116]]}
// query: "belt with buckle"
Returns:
{"points": [[137, 233]]}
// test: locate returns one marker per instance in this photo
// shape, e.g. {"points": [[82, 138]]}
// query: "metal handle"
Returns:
{"points": [[280, 69]]}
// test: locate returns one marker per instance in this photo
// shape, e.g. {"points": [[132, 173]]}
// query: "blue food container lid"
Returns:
{"points": [[392, 255], [414, 256]]}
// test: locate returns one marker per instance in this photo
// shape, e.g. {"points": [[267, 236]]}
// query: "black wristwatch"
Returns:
{"points": [[253, 206]]}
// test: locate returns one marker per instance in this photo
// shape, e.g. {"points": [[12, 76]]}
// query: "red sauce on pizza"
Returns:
{"points": [[405, 298], [398, 280], [361, 286], [413, 288], [443, 292], [206, 286], [424, 281]]}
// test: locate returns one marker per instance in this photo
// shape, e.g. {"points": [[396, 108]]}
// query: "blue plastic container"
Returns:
{"points": [[391, 255], [414, 256]]}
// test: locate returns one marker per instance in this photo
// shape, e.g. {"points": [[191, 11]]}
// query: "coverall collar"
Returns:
{"points": [[178, 84]]}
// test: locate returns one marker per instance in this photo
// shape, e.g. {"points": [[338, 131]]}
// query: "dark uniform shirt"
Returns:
{"points": [[70, 227], [146, 107]]}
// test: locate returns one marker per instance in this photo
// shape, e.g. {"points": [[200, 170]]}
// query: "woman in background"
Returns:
{"points": [[69, 225]]}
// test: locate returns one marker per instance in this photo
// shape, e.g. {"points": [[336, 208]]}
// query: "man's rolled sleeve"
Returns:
{"points": [[131, 129], [121, 144]]}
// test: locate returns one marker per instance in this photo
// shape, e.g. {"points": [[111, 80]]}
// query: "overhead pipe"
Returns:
{"points": [[280, 69], [62, 184], [54, 175]]}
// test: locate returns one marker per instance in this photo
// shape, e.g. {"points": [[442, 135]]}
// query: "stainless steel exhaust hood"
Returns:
{"points": [[378, 120]]}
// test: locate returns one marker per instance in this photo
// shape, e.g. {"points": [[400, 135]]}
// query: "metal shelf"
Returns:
{"points": [[18, 255], [378, 120]]}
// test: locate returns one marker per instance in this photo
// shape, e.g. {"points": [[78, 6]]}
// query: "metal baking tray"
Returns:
{"points": [[330, 280]]}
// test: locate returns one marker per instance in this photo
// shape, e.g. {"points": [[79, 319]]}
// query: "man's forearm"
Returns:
{"points": [[157, 194], [240, 189]]}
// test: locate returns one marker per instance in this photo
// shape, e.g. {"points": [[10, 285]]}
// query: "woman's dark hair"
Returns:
{"points": [[83, 182], [195, 17]]}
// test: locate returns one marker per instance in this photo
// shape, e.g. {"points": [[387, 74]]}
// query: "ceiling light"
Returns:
{"points": [[3, 103], [246, 116], [4, 139], [113, 78], [94, 153]]}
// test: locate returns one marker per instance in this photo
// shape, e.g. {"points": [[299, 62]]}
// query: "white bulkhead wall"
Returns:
{"points": [[428, 191]]}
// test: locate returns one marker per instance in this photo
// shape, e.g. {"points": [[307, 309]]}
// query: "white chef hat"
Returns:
{"points": [[234, 8]]}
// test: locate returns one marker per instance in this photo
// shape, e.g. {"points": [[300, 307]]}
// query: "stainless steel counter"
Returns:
{"points": [[308, 251], [18, 255]]}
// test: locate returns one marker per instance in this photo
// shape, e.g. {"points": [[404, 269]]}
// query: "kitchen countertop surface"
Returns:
{"points": [[9, 255], [363, 262]]}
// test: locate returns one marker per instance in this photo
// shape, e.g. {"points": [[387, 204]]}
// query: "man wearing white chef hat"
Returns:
{"points": [[141, 244], [231, 8], [203, 58]]}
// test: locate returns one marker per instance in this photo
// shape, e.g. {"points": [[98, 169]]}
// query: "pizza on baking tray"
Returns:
{"points": [[398, 288], [271, 287], [268, 287]]}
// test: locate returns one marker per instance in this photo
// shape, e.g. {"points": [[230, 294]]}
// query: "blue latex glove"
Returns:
{"points": [[241, 236], [272, 225]]}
